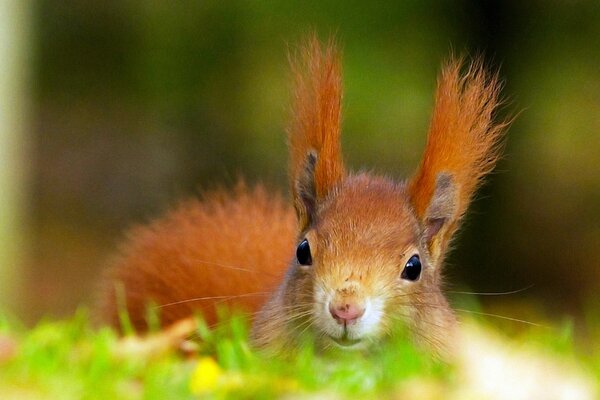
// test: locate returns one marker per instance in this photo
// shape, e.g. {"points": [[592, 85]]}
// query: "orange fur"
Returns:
{"points": [[362, 230], [316, 116], [463, 139], [234, 247]]}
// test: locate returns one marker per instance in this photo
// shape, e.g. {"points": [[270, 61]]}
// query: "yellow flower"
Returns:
{"points": [[285, 385], [206, 376]]}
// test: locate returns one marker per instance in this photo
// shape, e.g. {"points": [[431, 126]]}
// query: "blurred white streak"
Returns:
{"points": [[15, 23]]}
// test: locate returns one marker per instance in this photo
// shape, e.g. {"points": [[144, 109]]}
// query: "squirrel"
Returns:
{"points": [[351, 255]]}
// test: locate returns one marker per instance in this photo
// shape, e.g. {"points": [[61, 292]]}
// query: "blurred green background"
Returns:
{"points": [[132, 105]]}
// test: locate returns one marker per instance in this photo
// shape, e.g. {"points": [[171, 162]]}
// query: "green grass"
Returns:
{"points": [[70, 360], [67, 359]]}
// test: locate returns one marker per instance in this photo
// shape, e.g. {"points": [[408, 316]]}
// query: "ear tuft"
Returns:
{"points": [[463, 145], [314, 134]]}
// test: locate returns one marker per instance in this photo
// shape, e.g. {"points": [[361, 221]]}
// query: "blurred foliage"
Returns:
{"points": [[138, 103], [70, 360]]}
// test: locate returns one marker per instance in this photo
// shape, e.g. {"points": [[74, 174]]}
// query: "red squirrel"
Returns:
{"points": [[351, 255]]}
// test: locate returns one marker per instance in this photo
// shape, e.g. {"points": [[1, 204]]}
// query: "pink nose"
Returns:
{"points": [[346, 313]]}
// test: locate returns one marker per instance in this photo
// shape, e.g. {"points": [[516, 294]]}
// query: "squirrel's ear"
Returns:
{"points": [[305, 192], [314, 134], [462, 147], [440, 216]]}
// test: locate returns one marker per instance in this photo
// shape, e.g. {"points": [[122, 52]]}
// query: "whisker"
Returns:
{"points": [[300, 307], [309, 322], [213, 298], [492, 293], [438, 306], [401, 295], [502, 317], [297, 305], [287, 318], [283, 319], [294, 317], [399, 316], [239, 268], [423, 304], [433, 342]]}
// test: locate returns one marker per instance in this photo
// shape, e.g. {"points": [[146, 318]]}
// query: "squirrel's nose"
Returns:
{"points": [[346, 313]]}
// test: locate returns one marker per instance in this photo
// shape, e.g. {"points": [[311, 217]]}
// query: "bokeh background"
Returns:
{"points": [[114, 110]]}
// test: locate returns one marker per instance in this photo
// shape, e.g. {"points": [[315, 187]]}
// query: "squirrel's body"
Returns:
{"points": [[362, 253], [228, 248], [353, 256]]}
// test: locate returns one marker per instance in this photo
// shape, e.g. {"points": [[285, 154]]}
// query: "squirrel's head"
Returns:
{"points": [[368, 261], [370, 251]]}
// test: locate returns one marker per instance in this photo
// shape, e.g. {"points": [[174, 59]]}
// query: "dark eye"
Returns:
{"points": [[412, 269], [303, 253]]}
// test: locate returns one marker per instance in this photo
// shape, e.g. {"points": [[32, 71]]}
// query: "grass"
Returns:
{"points": [[70, 360]]}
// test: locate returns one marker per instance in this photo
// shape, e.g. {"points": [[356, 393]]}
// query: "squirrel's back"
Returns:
{"points": [[228, 246]]}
